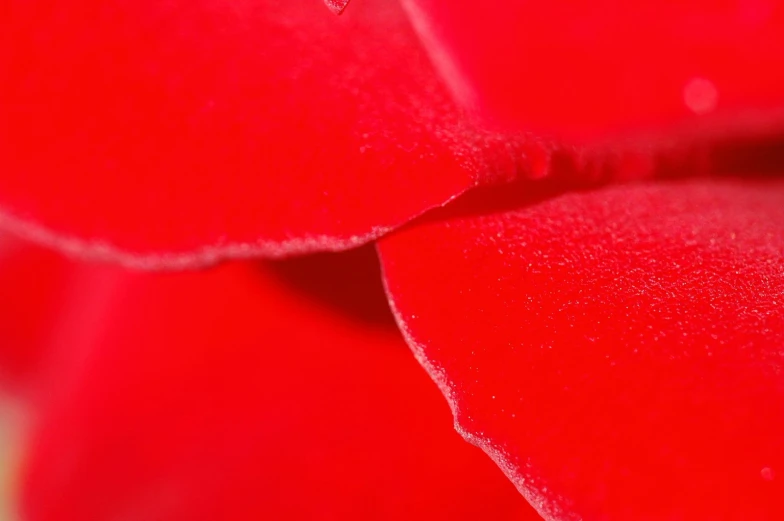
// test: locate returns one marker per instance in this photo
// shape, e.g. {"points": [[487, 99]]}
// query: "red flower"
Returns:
{"points": [[614, 346]]}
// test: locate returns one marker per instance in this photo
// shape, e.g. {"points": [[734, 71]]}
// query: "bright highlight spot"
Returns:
{"points": [[700, 96]]}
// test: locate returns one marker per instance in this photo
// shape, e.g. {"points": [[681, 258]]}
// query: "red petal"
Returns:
{"points": [[214, 129], [32, 283], [230, 394], [591, 68], [618, 353]]}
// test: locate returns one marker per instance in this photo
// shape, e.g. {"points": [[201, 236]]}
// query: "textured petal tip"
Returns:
{"points": [[336, 6]]}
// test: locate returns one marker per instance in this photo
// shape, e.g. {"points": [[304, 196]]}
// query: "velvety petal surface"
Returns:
{"points": [[174, 133], [593, 69], [619, 353], [253, 392]]}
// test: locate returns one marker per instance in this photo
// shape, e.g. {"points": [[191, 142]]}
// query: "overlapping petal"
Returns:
{"points": [[617, 352], [589, 70], [237, 393], [174, 133]]}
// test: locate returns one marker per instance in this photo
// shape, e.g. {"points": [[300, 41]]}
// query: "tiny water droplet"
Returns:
{"points": [[767, 474], [700, 96], [336, 6]]}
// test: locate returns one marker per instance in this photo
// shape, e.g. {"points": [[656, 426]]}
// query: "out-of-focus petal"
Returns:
{"points": [[593, 69], [233, 394], [12, 431], [618, 352], [175, 133], [33, 282]]}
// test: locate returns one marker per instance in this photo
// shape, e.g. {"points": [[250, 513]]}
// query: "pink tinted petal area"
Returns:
{"points": [[618, 352], [590, 69], [174, 133], [233, 394]]}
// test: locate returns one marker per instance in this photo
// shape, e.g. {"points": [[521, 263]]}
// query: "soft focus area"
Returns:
{"points": [[250, 390]]}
